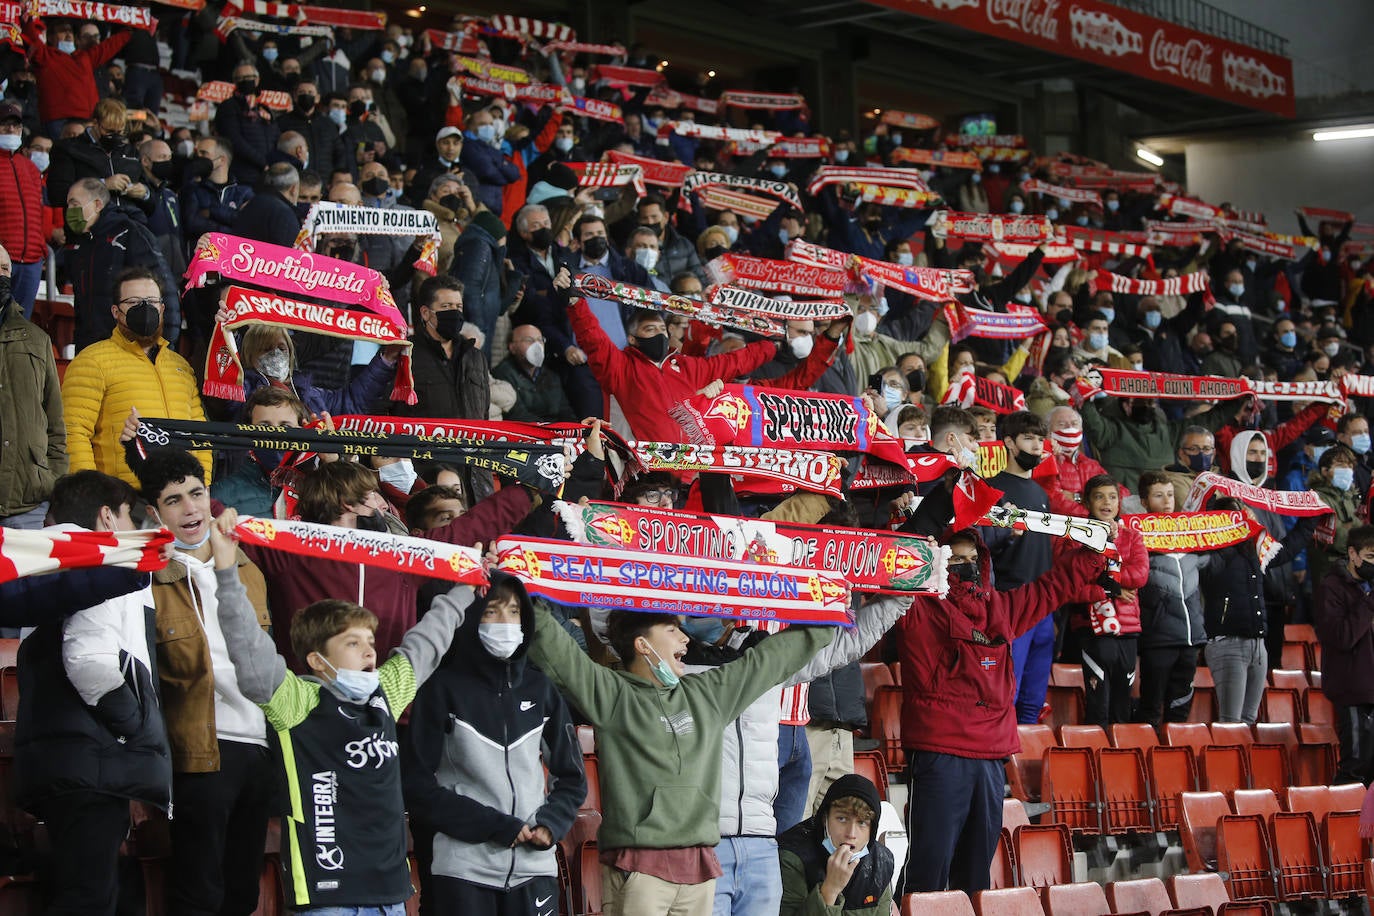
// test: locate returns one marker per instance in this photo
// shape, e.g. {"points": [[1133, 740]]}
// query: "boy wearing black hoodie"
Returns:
{"points": [[832, 861], [482, 730]]}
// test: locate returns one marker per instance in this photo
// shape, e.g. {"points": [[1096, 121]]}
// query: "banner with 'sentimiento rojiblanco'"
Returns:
{"points": [[327, 217]]}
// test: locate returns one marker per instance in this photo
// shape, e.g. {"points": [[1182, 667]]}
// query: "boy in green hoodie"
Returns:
{"points": [[658, 736]]}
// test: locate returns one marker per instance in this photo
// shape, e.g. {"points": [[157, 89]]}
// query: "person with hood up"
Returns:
{"points": [[482, 731], [958, 704], [832, 862]]}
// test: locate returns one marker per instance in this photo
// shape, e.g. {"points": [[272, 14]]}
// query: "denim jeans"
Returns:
{"points": [[24, 280], [1239, 666], [751, 879], [794, 776], [32, 519], [390, 909], [1032, 657]]}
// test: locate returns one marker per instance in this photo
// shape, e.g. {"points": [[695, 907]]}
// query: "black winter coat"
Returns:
{"points": [[252, 137], [269, 217], [116, 241], [323, 139], [1233, 584], [1343, 611]]}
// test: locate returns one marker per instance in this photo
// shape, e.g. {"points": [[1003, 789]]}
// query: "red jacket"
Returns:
{"points": [[66, 82], [1133, 573], [293, 582], [23, 219], [958, 688], [646, 391]]}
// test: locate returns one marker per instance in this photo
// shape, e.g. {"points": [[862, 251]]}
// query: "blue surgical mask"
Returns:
{"points": [[1153, 319], [1097, 342], [67, 47], [707, 630], [892, 397], [1051, 214], [783, 236], [356, 686], [1017, 207], [732, 233], [1342, 478], [338, 116], [1113, 206], [564, 144], [1236, 289], [388, 57], [486, 133], [1082, 221], [896, 139], [1318, 451], [1109, 314], [666, 675], [1359, 443], [906, 258], [829, 847], [1289, 339], [778, 169], [269, 54], [841, 156]]}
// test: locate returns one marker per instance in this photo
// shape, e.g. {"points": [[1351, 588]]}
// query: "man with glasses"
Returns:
{"points": [[106, 241], [1197, 452], [134, 367], [539, 394]]}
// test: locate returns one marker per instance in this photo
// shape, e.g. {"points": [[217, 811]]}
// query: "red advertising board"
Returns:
{"points": [[1115, 37]]}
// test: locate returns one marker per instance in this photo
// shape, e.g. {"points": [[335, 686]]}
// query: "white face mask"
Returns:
{"points": [[646, 257], [865, 324], [40, 158], [801, 346], [534, 354], [10, 142], [400, 475], [500, 639], [906, 258], [564, 144]]}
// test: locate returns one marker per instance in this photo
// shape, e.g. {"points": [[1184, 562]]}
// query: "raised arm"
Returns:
{"points": [[870, 623], [591, 687]]}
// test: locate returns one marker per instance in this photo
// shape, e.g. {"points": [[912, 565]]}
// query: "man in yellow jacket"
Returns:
{"points": [[133, 367]]}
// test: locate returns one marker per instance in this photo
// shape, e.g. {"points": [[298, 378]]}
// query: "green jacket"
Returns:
{"points": [[35, 436], [800, 898], [1127, 448], [1320, 560], [659, 748]]}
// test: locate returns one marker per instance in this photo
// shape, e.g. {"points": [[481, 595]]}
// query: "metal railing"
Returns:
{"points": [[1203, 17]]}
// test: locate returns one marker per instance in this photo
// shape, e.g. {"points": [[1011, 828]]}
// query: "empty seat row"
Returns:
{"points": [[1195, 895]]}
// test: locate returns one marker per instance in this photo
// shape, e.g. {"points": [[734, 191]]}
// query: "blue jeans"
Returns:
{"points": [[794, 776], [391, 909], [24, 280], [1032, 654], [32, 519], [751, 879]]}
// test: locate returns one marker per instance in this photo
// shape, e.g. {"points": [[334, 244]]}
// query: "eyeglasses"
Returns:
{"points": [[658, 497], [130, 304], [1199, 450]]}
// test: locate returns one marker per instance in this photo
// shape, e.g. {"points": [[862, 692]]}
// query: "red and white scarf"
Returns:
{"points": [[1176, 205], [929, 283], [668, 98], [950, 159], [758, 208], [135, 17], [1182, 285], [656, 172], [595, 109], [790, 468], [789, 277], [908, 198], [778, 190], [1036, 186], [609, 175], [910, 120], [329, 217], [886, 178], [399, 553], [632, 580], [712, 132], [523, 27], [778, 309], [35, 553], [486, 70], [1131, 244], [983, 227], [1191, 532], [798, 148], [458, 42], [618, 75], [1019, 322], [1280, 502], [766, 101], [570, 48], [218, 90]]}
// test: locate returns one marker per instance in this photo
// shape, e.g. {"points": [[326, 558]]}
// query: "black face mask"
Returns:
{"points": [[1256, 469], [303, 208], [112, 142], [1027, 462], [1227, 343], [1365, 571], [595, 248], [292, 80], [246, 86], [541, 238], [448, 324], [1142, 413], [357, 109], [656, 347], [163, 170], [655, 229], [916, 379], [267, 459], [375, 187], [716, 251], [143, 320], [199, 167], [451, 202], [305, 103], [4, 289], [965, 572], [374, 522]]}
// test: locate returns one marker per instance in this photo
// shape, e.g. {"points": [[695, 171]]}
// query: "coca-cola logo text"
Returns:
{"points": [[1034, 17], [1191, 60]]}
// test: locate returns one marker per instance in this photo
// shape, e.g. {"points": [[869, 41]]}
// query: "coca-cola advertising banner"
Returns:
{"points": [[1112, 36]]}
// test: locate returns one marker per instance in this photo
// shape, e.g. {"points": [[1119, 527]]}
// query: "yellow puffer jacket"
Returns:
{"points": [[109, 378]]}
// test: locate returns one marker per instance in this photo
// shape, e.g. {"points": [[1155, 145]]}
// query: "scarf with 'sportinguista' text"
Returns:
{"points": [[224, 374], [400, 553], [869, 560], [36, 553], [631, 580]]}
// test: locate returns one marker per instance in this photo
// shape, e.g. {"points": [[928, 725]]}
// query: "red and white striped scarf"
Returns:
{"points": [[712, 132], [908, 198], [1176, 205], [789, 277], [735, 202], [929, 283], [669, 98], [35, 553], [1183, 285], [779, 190], [459, 42], [1036, 186], [887, 178], [569, 48], [1019, 322], [766, 101], [609, 175], [135, 17], [523, 27], [595, 108], [1131, 244], [656, 171], [984, 227]]}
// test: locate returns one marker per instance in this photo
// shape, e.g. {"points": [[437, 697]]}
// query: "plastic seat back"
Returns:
{"points": [[1087, 899], [1227, 734], [1013, 814], [1298, 855], [1069, 784], [1280, 704], [1315, 800], [1255, 801], [937, 903], [1224, 769], [1204, 707], [1023, 770], [875, 675], [1044, 854], [1347, 797], [1125, 791], [1187, 734], [870, 765], [1286, 678], [1134, 734], [1145, 895], [1317, 708], [885, 724], [1198, 828], [1090, 736], [1172, 771], [1011, 901], [1299, 632], [1343, 851], [1244, 858], [1314, 764], [1269, 767], [1191, 891]]}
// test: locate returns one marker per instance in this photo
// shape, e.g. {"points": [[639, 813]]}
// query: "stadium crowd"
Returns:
{"points": [[245, 683]]}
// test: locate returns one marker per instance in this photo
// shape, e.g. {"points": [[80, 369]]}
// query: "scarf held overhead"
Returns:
{"points": [[869, 560], [631, 580], [418, 556], [36, 553], [326, 217], [791, 277], [1191, 532], [790, 469], [721, 315], [983, 227], [1280, 502]]}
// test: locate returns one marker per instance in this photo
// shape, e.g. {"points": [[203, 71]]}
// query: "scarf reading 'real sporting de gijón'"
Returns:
{"points": [[533, 464], [869, 560]]}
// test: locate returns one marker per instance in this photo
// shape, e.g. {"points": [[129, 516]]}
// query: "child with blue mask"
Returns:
{"points": [[833, 860]]}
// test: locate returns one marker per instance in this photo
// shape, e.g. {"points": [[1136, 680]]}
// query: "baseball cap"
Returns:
{"points": [[447, 132], [11, 110]]}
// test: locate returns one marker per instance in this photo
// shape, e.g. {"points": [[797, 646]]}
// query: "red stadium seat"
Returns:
{"points": [[1316, 708], [1087, 899], [1299, 632], [9, 653], [1255, 801], [870, 764], [1011, 901], [9, 693], [1134, 734], [1069, 784], [1066, 706], [1315, 800], [1013, 814], [1191, 891], [586, 739], [1044, 855], [1279, 704], [875, 675], [1023, 769], [587, 902], [937, 903], [1090, 736], [1286, 678], [1244, 857], [1344, 852], [1146, 895], [1314, 764], [885, 724], [1125, 791], [1226, 734], [593, 770], [1347, 797], [1198, 831], [1269, 767], [1224, 769], [1297, 855], [1172, 771], [1294, 655], [1187, 734], [1062, 675], [1204, 708], [1002, 871]]}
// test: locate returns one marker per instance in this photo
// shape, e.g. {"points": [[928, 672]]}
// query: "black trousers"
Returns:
{"points": [[85, 829], [1355, 730], [1166, 683], [954, 820], [218, 833], [1108, 672], [455, 897]]}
